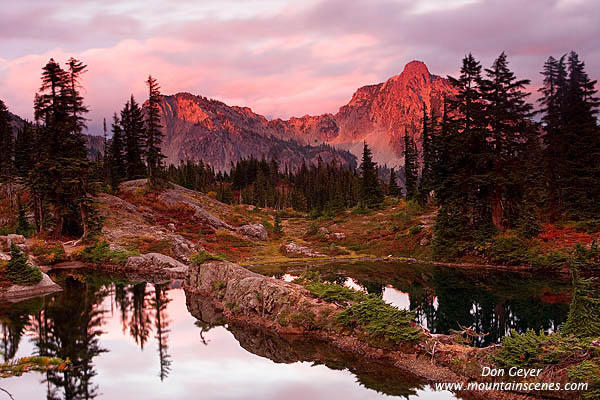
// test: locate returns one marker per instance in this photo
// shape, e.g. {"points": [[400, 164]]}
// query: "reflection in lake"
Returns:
{"points": [[444, 299], [132, 340]]}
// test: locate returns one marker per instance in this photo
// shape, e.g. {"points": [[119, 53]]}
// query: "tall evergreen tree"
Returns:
{"points": [[7, 170], [393, 188], [153, 134], [508, 116], [461, 171], [426, 182], [572, 136], [371, 194], [553, 104], [23, 149], [132, 122], [411, 167], [118, 169], [61, 168]]}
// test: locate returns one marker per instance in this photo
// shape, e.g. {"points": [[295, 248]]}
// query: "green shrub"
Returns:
{"points": [[49, 254], [516, 251], [333, 293], [20, 271], [100, 253], [536, 350], [588, 226], [415, 229], [584, 258], [380, 323], [203, 256], [583, 320], [358, 210], [587, 371], [302, 318], [508, 251], [553, 260], [312, 229]]}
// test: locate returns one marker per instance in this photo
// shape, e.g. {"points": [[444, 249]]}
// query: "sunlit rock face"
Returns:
{"points": [[381, 114], [197, 128]]}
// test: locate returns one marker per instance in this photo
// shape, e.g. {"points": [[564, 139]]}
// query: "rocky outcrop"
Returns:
{"points": [[7, 240], [222, 293], [256, 231], [253, 295], [287, 349], [155, 262], [18, 292], [295, 250]]}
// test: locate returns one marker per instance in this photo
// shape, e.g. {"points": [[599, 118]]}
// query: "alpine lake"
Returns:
{"points": [[128, 339]]}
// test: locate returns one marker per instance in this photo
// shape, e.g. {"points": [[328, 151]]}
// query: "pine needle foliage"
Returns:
{"points": [[20, 271], [380, 323]]}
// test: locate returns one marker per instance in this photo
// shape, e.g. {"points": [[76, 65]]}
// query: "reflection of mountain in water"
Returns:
{"points": [[296, 348]]}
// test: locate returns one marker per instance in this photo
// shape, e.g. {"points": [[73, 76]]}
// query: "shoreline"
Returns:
{"points": [[468, 266]]}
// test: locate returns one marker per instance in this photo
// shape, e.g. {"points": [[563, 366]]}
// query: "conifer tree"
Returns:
{"points": [[508, 116], [277, 227], [371, 195], [552, 103], [393, 188], [23, 226], [426, 182], [132, 122], [461, 171], [20, 271], [64, 161], [581, 177], [411, 167], [23, 150], [153, 134], [7, 170], [118, 169]]}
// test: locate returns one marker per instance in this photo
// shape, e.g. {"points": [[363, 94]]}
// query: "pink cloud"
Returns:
{"points": [[292, 61]]}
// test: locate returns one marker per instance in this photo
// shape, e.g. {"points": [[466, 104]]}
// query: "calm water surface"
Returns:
{"points": [[445, 299], [138, 341]]}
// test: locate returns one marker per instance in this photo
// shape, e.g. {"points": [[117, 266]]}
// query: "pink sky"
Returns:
{"points": [[281, 58]]}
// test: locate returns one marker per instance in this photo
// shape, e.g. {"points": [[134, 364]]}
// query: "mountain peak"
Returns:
{"points": [[415, 68]]}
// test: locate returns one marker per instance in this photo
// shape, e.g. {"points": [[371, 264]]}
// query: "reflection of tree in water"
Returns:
{"points": [[159, 303], [139, 324], [372, 287], [14, 320], [123, 304], [462, 302], [138, 307], [69, 326]]}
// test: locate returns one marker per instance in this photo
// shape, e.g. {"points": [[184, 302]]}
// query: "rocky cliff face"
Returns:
{"points": [[381, 114], [199, 128]]}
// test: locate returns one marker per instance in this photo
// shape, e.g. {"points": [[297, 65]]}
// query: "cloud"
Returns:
{"points": [[280, 58]]}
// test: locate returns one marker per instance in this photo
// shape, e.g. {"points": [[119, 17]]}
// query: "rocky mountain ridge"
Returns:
{"points": [[200, 128]]}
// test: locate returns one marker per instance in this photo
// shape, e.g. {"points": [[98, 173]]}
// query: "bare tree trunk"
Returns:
{"points": [[497, 209]]}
